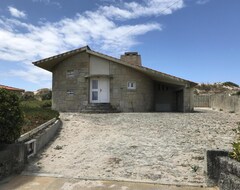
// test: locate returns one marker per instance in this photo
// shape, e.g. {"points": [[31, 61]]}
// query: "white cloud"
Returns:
{"points": [[49, 2], [147, 8], [202, 2], [16, 13], [101, 29], [33, 75]]}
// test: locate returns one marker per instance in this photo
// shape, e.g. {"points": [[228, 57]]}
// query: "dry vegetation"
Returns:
{"points": [[217, 88], [36, 113], [36, 108]]}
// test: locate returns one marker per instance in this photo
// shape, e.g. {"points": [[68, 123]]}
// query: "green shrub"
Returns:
{"points": [[231, 84], [46, 104], [32, 104], [235, 154], [11, 117], [28, 95], [237, 93], [47, 96], [36, 113], [29, 104]]}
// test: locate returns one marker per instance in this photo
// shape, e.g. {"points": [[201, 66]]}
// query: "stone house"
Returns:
{"points": [[85, 80]]}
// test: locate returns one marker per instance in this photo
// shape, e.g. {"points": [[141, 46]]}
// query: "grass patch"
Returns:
{"points": [[36, 113]]}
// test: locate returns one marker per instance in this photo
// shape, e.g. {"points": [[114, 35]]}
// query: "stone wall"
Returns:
{"points": [[140, 99], [222, 170], [71, 93]]}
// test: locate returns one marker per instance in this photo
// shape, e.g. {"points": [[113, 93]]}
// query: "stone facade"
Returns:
{"points": [[140, 99], [71, 87], [70, 93]]}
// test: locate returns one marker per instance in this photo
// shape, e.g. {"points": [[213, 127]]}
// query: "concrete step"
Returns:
{"points": [[99, 108]]}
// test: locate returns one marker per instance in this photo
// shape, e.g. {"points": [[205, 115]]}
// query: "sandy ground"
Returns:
{"points": [[165, 148]]}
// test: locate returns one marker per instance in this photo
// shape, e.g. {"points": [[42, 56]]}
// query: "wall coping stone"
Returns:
{"points": [[34, 131]]}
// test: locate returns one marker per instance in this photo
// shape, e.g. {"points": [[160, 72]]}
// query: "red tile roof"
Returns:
{"points": [[11, 88]]}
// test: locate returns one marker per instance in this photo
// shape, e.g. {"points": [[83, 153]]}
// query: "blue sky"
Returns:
{"points": [[198, 40]]}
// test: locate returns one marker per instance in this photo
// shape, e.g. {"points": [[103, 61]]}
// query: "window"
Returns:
{"points": [[94, 95], [70, 73], [94, 84], [70, 93], [131, 85]]}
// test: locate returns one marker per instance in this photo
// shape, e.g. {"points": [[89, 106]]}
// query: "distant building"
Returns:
{"points": [[12, 89], [43, 94], [42, 91], [84, 79]]}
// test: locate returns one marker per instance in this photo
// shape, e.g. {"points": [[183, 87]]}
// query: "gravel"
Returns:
{"points": [[165, 148]]}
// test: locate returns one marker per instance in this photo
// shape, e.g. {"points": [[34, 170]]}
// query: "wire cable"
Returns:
{"points": [[168, 7]]}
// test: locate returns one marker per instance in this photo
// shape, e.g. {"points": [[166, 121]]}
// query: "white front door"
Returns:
{"points": [[99, 90]]}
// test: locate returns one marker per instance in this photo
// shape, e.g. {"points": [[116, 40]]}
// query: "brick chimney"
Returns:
{"points": [[132, 58]]}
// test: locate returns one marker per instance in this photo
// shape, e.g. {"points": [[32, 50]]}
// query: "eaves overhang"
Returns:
{"points": [[50, 62]]}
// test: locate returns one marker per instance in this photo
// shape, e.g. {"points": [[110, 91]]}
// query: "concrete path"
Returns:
{"points": [[52, 183]]}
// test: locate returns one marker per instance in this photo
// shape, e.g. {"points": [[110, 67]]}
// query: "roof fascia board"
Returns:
{"points": [[60, 57], [69, 53]]}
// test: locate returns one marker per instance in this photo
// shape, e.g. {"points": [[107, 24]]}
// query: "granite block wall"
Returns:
{"points": [[70, 93], [140, 99]]}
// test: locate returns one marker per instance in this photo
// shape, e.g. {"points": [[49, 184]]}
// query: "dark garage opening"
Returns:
{"points": [[168, 97]]}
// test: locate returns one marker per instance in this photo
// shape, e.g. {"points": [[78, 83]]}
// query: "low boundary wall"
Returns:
{"points": [[222, 170], [41, 135], [43, 139], [225, 102], [29, 134], [13, 157], [222, 102]]}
